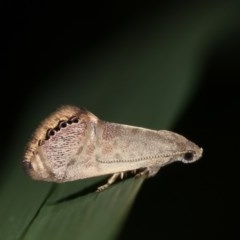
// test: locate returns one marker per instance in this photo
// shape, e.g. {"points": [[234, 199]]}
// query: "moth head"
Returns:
{"points": [[56, 142], [191, 152], [182, 149]]}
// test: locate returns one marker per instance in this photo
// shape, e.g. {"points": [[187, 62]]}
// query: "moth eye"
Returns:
{"points": [[62, 124], [50, 132], [188, 156]]}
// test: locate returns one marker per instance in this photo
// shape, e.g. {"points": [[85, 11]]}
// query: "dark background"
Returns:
{"points": [[42, 38], [212, 210]]}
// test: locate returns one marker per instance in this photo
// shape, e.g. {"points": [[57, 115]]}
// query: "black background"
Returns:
{"points": [[40, 38]]}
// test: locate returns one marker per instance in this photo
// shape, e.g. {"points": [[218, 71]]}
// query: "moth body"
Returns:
{"points": [[73, 144]]}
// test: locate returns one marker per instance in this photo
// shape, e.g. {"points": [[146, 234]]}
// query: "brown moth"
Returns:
{"points": [[72, 144]]}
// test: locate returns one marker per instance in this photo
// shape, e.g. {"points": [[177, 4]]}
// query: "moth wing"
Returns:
{"points": [[124, 148]]}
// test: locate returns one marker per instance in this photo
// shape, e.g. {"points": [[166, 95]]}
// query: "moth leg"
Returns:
{"points": [[122, 175], [153, 170], [134, 171], [143, 172], [110, 181], [149, 171]]}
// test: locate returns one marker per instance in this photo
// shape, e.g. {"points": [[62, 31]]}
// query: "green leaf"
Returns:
{"points": [[85, 217]]}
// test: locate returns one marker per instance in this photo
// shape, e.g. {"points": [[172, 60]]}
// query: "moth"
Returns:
{"points": [[72, 143]]}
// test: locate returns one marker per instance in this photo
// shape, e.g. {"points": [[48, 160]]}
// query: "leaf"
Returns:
{"points": [[86, 217]]}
